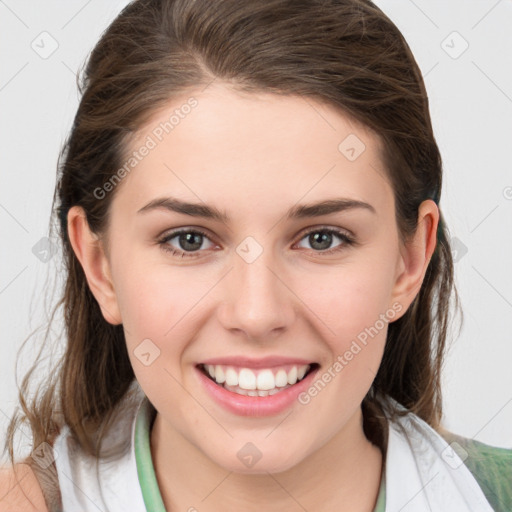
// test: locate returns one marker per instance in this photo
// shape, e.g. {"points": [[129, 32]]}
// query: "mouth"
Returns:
{"points": [[260, 382]]}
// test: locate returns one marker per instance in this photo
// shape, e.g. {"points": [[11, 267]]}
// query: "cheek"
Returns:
{"points": [[353, 310], [161, 308], [350, 299], [156, 308], [153, 296]]}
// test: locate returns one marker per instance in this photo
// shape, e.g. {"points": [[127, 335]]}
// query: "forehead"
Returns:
{"points": [[220, 144]]}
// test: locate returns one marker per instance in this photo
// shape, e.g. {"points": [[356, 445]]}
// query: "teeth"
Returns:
{"points": [[281, 379], [253, 392], [265, 380], [247, 379], [218, 374], [292, 375], [259, 382], [301, 372]]}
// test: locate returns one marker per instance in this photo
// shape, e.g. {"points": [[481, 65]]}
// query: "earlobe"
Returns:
{"points": [[90, 252], [416, 255]]}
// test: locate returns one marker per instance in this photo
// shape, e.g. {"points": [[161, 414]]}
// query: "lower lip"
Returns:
{"points": [[255, 405]]}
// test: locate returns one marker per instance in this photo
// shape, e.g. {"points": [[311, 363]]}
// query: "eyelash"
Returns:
{"points": [[163, 242]]}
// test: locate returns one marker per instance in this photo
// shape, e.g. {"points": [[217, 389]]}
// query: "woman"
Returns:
{"points": [[258, 275]]}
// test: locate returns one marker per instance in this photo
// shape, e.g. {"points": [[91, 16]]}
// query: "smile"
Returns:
{"points": [[259, 382]]}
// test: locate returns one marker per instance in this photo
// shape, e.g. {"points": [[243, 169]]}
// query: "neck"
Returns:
{"points": [[344, 474]]}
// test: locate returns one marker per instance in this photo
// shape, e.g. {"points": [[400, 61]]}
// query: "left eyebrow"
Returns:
{"points": [[327, 207], [296, 212]]}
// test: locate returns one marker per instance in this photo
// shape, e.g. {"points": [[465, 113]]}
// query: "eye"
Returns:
{"points": [[189, 241], [321, 239]]}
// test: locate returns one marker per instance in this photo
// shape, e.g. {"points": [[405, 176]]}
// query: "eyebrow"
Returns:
{"points": [[296, 212]]}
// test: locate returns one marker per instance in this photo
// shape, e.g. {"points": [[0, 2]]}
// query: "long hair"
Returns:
{"points": [[344, 53]]}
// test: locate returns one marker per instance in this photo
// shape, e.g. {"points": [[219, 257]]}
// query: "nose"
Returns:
{"points": [[258, 302]]}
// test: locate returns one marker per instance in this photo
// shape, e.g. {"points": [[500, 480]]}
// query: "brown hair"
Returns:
{"points": [[345, 53]]}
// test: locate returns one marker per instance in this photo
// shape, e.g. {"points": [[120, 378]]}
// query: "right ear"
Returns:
{"points": [[90, 252]]}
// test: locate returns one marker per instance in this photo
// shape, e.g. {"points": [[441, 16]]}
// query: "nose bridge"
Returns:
{"points": [[258, 302]]}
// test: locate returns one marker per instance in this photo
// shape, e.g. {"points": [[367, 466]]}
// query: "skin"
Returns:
{"points": [[253, 157], [19, 490]]}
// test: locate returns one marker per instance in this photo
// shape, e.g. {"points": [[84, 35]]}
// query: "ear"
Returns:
{"points": [[415, 255], [90, 251]]}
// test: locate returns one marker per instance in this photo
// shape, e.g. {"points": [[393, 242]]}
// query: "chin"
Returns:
{"points": [[259, 465]]}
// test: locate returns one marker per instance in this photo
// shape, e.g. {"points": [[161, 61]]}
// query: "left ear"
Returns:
{"points": [[415, 255]]}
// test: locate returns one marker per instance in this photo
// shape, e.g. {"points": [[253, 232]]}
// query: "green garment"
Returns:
{"points": [[491, 467]]}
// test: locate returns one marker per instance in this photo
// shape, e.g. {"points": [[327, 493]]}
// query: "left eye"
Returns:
{"points": [[322, 238]]}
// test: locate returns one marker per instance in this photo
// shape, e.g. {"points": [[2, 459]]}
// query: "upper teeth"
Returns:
{"points": [[263, 379]]}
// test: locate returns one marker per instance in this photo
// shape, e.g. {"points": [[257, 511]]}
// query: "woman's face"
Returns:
{"points": [[274, 278]]}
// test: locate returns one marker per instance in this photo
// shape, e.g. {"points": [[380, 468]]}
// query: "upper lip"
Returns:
{"points": [[248, 362]]}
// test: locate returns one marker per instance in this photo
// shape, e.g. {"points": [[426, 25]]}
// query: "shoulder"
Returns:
{"points": [[20, 490], [490, 465]]}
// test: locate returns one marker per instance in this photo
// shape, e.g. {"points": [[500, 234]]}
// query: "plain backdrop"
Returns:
{"points": [[464, 49]]}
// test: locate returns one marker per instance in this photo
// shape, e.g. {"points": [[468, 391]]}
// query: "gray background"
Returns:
{"points": [[464, 49]]}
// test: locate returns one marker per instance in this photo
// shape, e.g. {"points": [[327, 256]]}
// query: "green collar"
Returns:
{"points": [[146, 471]]}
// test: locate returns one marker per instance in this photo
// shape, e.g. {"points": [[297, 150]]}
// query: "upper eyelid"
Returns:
{"points": [[170, 234], [313, 229]]}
